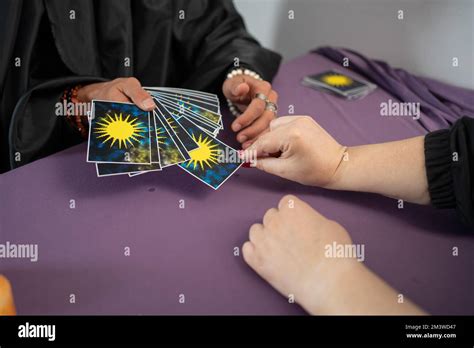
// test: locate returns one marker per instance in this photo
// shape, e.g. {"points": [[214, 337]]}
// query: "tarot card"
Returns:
{"points": [[163, 93], [204, 95], [172, 134], [195, 92], [183, 137], [206, 114], [119, 133], [169, 152], [339, 84], [178, 94], [335, 80], [180, 109], [180, 99], [198, 120], [209, 99], [204, 99], [131, 175], [203, 125], [107, 169], [213, 162]]}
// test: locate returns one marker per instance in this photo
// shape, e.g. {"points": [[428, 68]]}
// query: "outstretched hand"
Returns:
{"points": [[306, 153]]}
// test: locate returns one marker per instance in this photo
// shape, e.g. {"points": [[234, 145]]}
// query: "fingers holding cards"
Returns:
{"points": [[180, 130]]}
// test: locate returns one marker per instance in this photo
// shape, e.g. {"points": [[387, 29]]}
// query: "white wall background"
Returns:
{"points": [[424, 42]]}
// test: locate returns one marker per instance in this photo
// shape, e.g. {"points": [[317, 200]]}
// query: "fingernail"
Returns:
{"points": [[148, 104], [236, 127], [235, 91], [246, 165], [242, 138], [246, 145]]}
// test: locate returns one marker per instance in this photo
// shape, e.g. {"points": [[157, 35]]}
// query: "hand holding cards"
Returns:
{"points": [[181, 130], [337, 83]]}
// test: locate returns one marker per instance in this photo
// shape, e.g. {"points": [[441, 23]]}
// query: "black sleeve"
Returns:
{"points": [[449, 159], [211, 37], [36, 130]]}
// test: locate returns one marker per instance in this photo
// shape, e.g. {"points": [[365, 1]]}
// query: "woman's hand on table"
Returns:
{"points": [[294, 249], [287, 250]]}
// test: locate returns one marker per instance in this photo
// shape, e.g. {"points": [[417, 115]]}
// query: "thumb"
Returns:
{"points": [[133, 89], [235, 89], [267, 143], [241, 90], [270, 165]]}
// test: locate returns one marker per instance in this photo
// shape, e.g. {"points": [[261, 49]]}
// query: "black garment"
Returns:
{"points": [[63, 43], [449, 157]]}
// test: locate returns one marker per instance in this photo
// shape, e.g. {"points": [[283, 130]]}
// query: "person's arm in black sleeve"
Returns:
{"points": [[449, 158], [210, 37]]}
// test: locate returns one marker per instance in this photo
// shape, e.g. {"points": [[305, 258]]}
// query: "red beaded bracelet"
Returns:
{"points": [[79, 122]]}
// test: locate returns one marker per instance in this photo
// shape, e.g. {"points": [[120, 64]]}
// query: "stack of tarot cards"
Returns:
{"points": [[180, 131], [337, 83]]}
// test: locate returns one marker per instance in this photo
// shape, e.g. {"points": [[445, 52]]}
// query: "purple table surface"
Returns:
{"points": [[189, 251]]}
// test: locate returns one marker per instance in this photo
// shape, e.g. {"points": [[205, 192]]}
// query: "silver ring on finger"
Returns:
{"points": [[261, 96], [270, 106]]}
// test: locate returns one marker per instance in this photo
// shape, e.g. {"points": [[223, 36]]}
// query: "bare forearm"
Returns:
{"points": [[395, 169], [359, 291]]}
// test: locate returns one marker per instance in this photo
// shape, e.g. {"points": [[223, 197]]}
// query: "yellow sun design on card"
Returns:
{"points": [[205, 155], [337, 80], [183, 106], [171, 122], [160, 138], [118, 129]]}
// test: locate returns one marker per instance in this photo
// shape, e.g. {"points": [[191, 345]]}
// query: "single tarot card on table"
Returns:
{"points": [[336, 81]]}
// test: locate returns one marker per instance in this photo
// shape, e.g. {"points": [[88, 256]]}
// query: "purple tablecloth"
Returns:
{"points": [[190, 251]]}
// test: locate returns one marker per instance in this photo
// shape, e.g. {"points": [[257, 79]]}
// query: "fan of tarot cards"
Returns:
{"points": [[181, 130]]}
